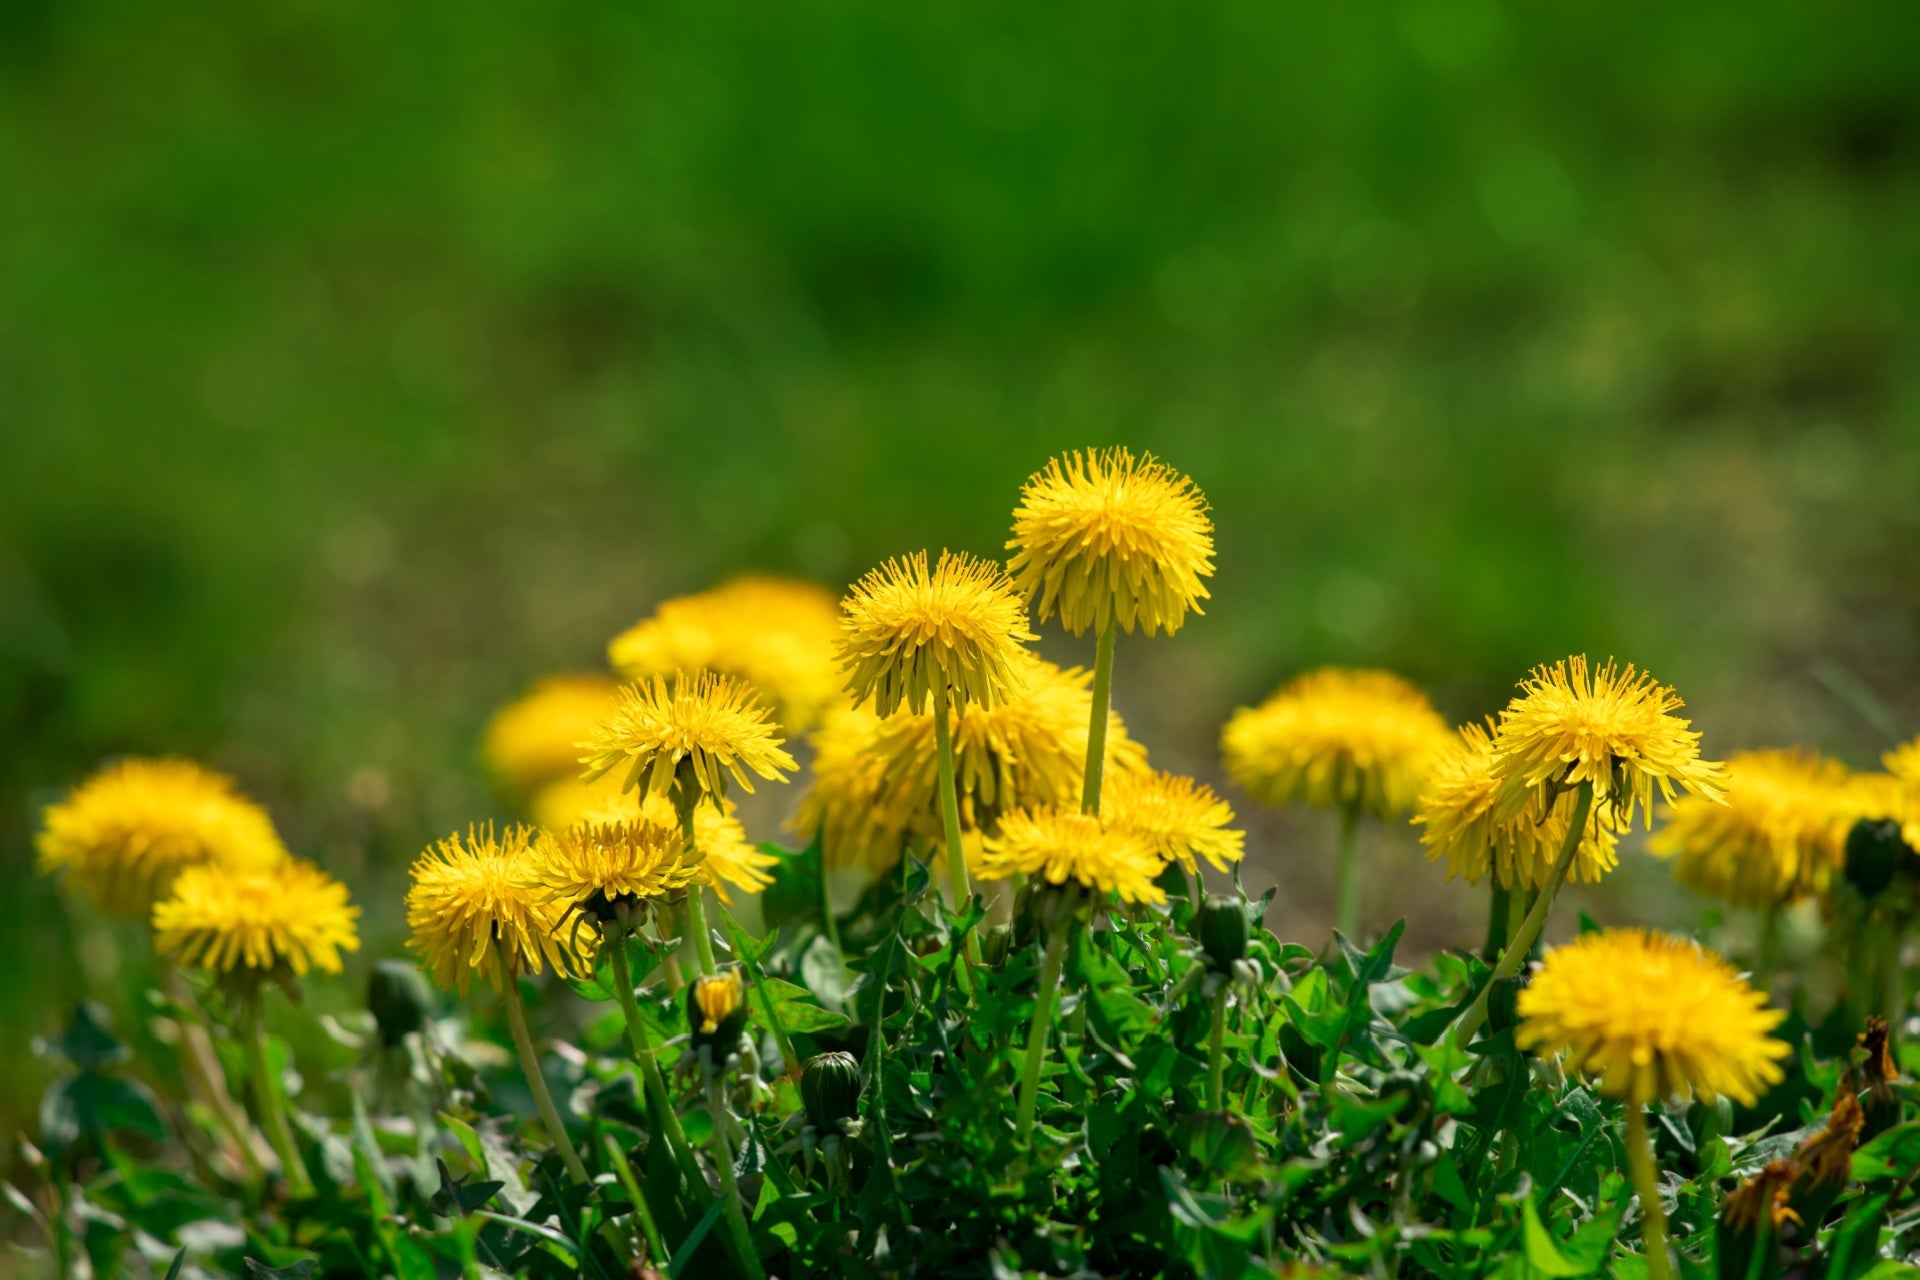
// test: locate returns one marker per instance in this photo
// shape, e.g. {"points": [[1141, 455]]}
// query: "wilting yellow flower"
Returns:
{"points": [[1614, 728], [594, 867], [1651, 1016], [726, 858], [1335, 738], [908, 634], [289, 915], [1101, 535], [475, 906], [1180, 818], [535, 738], [127, 831], [1903, 762], [1058, 846], [711, 724], [1458, 807], [1780, 835], [718, 997], [776, 634]]}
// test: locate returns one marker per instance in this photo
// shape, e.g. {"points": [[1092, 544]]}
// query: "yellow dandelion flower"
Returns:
{"points": [[726, 858], [475, 906], [1458, 811], [908, 634], [1102, 536], [1058, 846], [1780, 835], [1651, 1016], [1903, 762], [1335, 738], [597, 867], [1180, 818], [535, 738], [1614, 728], [289, 915], [718, 997], [126, 832], [711, 725], [565, 801], [778, 635], [1888, 797]]}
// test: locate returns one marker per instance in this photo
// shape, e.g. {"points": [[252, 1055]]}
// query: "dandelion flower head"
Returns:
{"points": [[909, 634], [1779, 837], [712, 726], [534, 739], [1059, 846], [477, 906], [1181, 819], [288, 915]]}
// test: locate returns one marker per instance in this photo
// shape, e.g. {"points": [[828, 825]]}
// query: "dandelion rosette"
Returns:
{"points": [[1101, 536], [1613, 728], [600, 868], [1779, 837], [1651, 1016], [476, 906], [1458, 808], [712, 726], [288, 917], [908, 634], [1336, 738], [126, 832], [1060, 846], [778, 635], [1181, 819], [535, 738]]}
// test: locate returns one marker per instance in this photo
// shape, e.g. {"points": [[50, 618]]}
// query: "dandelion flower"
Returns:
{"points": [[565, 801], [1180, 818], [711, 725], [289, 915], [1779, 836], [1457, 810], [533, 740], [1651, 1016], [776, 634], [475, 906], [726, 858], [1903, 762], [908, 634], [718, 999], [127, 831], [1102, 536], [1335, 738], [1614, 728], [597, 867], [1058, 846]]}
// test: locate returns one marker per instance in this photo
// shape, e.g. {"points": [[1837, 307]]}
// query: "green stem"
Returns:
{"points": [[656, 1248], [827, 918], [950, 818], [1521, 943], [1769, 958], [1499, 920], [1051, 963], [273, 1110], [1217, 1050], [1097, 725], [201, 1067], [1347, 910], [697, 897], [1196, 892], [1646, 1185], [729, 1186], [537, 1081], [650, 1078]]}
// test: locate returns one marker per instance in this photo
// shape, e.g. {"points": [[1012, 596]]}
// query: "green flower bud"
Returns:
{"points": [[830, 1089], [717, 1010], [399, 998], [1874, 853], [1222, 930], [996, 945]]}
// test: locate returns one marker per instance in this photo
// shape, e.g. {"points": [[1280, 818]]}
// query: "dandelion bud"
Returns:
{"points": [[1826, 1163], [399, 999], [996, 945], [1751, 1220], [1874, 853], [717, 1009], [1222, 930], [830, 1088]]}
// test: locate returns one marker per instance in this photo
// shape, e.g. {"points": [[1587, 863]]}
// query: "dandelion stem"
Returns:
{"points": [[950, 817], [1769, 957], [1051, 963], [729, 1186], [656, 1248], [1521, 943], [1097, 725], [827, 919], [696, 897], [1217, 1050], [1347, 909], [537, 1081], [650, 1077], [1499, 920], [273, 1109], [1646, 1185], [204, 1076]]}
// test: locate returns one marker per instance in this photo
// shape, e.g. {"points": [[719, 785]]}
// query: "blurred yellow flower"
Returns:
{"points": [[126, 832], [710, 724], [1457, 809], [778, 635], [1336, 738], [1892, 798], [1903, 762], [536, 738], [1613, 728], [288, 916], [908, 635], [1058, 846], [475, 906], [1650, 1016], [1180, 818], [1779, 836], [1101, 535]]}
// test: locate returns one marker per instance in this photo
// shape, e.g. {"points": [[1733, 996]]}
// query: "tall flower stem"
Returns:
{"points": [[657, 1249], [650, 1077], [1521, 943], [1347, 908], [1769, 957], [537, 1081], [697, 897], [1054, 959], [205, 1078], [1217, 1049], [273, 1108], [1499, 920], [1646, 1185], [950, 817], [1097, 725], [729, 1185]]}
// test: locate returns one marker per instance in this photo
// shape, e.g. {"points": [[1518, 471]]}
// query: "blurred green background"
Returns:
{"points": [[359, 362]]}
